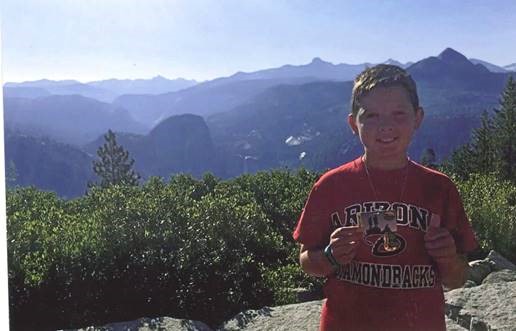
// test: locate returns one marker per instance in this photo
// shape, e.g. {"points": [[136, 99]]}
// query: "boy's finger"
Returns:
{"points": [[345, 240], [439, 244], [436, 233], [435, 221], [346, 231]]}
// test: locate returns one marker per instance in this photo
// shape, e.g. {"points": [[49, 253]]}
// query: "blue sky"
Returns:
{"points": [[90, 40]]}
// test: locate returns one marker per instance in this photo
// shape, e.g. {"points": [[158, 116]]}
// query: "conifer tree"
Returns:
{"points": [[114, 166], [504, 123], [461, 162], [492, 148], [482, 149]]}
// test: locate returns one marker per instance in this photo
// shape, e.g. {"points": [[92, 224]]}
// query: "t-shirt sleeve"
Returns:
{"points": [[457, 222], [313, 225]]}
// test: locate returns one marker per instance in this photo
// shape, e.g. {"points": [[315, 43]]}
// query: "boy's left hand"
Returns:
{"points": [[439, 243]]}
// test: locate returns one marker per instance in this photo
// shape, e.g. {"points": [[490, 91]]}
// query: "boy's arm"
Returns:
{"points": [[454, 273], [314, 262]]}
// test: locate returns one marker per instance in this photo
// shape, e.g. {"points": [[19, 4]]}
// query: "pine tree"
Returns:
{"points": [[461, 162], [492, 148], [114, 166], [482, 149], [504, 124]]}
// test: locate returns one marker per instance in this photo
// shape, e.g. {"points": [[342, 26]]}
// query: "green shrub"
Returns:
{"points": [[285, 280], [281, 194], [491, 205], [188, 248]]}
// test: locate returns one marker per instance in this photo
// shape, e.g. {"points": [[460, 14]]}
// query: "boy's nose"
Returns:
{"points": [[386, 124]]}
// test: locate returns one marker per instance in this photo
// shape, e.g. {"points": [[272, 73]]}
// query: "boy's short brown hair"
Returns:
{"points": [[382, 75]]}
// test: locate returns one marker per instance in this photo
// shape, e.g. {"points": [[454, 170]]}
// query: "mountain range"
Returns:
{"points": [[71, 119], [289, 116], [104, 90]]}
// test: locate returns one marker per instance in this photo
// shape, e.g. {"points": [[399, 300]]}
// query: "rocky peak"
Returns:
{"points": [[317, 61], [451, 56]]}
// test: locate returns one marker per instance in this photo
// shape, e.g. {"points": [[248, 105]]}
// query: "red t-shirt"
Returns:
{"points": [[379, 289]]}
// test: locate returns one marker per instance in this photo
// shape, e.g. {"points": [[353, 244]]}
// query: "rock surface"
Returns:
{"points": [[499, 262], [501, 276], [148, 324], [302, 316], [479, 270], [484, 307]]}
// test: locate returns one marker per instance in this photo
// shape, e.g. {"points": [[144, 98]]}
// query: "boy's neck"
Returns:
{"points": [[385, 164]]}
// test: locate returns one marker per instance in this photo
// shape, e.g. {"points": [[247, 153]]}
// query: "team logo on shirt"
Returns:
{"points": [[388, 245]]}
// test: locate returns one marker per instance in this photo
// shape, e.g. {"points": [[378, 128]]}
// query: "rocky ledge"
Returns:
{"points": [[486, 302]]}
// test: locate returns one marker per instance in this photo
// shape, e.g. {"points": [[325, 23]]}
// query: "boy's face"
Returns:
{"points": [[385, 123]]}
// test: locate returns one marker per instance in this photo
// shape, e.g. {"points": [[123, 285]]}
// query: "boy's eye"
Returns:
{"points": [[371, 115]]}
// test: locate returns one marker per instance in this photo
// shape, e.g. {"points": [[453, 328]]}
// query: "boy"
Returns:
{"points": [[388, 279]]}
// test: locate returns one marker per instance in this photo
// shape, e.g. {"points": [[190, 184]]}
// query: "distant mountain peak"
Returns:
{"points": [[510, 67], [393, 62], [318, 61], [450, 55]]}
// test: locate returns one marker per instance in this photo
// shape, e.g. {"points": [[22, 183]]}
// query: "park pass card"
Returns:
{"points": [[377, 222]]}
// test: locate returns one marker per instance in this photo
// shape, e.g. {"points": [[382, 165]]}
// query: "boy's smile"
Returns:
{"points": [[385, 123]]}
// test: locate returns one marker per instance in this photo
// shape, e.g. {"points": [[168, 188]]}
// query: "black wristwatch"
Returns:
{"points": [[328, 252]]}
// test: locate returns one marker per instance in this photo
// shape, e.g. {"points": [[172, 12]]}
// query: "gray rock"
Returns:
{"points": [[148, 324], [479, 270], [451, 325], [469, 283], [501, 276], [484, 307], [499, 262], [302, 316]]}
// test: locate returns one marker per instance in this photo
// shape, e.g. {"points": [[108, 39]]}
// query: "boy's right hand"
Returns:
{"points": [[344, 242]]}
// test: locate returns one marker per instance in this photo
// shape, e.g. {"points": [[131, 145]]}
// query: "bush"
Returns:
{"points": [[188, 248], [491, 205]]}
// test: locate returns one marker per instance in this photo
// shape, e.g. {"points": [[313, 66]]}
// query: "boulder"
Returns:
{"points": [[479, 270], [469, 283], [451, 325], [499, 262], [484, 307], [148, 324], [302, 316], [501, 276]]}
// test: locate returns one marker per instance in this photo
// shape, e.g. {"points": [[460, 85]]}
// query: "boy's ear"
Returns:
{"points": [[352, 124], [420, 114]]}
